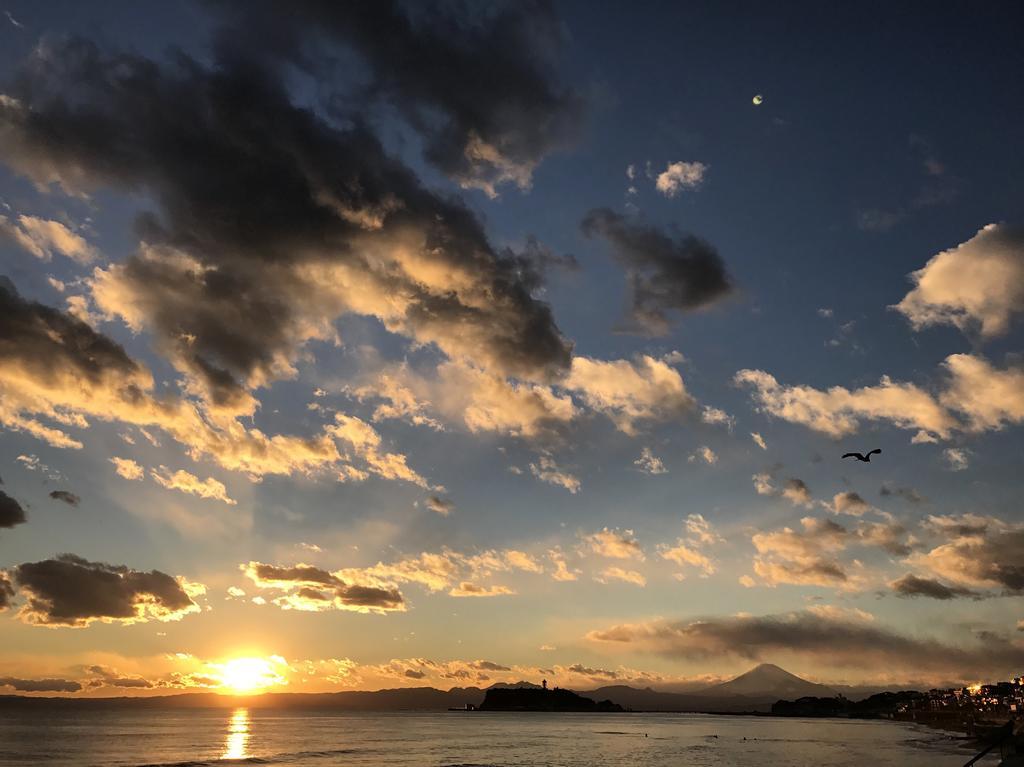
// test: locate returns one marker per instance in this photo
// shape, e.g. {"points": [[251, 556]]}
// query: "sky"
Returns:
{"points": [[363, 346]]}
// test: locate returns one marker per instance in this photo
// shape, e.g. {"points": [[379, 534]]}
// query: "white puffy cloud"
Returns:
{"points": [[797, 492], [615, 544], [630, 391], [42, 238], [988, 397], [805, 556], [706, 454], [481, 400], [758, 440], [979, 552], [715, 415], [127, 468], [679, 176], [979, 284], [850, 503], [191, 484], [838, 411]]}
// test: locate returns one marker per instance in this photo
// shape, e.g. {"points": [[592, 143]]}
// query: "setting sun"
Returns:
{"points": [[245, 675]]}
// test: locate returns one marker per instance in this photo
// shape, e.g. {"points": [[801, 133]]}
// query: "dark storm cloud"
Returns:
{"points": [[476, 80], [71, 591], [271, 221], [47, 341], [109, 677], [413, 674], [40, 685], [911, 585], [66, 496], [577, 668], [11, 513], [829, 635], [264, 574], [666, 273], [486, 665], [906, 493], [314, 588], [536, 259], [370, 596]]}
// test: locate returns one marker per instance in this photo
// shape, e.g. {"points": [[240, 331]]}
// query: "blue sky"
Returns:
{"points": [[455, 462]]}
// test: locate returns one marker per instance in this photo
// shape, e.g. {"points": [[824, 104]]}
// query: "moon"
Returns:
{"points": [[758, 100]]}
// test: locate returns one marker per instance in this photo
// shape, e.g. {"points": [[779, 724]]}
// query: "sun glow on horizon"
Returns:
{"points": [[252, 675]]}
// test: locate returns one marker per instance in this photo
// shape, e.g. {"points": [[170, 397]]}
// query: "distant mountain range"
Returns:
{"points": [[756, 690]]}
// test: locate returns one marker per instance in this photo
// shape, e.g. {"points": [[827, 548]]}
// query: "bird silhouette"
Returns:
{"points": [[862, 457]]}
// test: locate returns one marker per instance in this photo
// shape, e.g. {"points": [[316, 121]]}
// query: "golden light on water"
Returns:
{"points": [[237, 741]]}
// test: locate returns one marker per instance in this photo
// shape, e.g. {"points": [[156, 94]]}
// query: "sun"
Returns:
{"points": [[246, 675]]}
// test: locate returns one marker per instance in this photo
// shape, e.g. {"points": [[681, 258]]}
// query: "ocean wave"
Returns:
{"points": [[274, 759]]}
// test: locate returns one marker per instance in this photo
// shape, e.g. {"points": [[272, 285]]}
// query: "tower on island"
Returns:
{"points": [[544, 683]]}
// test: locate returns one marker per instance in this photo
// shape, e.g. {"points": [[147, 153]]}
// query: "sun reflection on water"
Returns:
{"points": [[238, 735]]}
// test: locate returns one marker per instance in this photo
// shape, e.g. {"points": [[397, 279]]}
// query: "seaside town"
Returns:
{"points": [[967, 708], [972, 710]]}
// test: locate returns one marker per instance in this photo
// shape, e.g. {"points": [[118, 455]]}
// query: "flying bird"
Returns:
{"points": [[862, 457]]}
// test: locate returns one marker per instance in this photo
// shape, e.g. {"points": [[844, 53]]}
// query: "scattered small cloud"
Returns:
{"points": [[546, 470], [65, 496], [469, 589], [850, 503], [680, 176], [797, 492], [615, 544], [908, 494], [619, 574], [705, 454], [714, 415], [439, 505], [648, 463], [911, 585], [11, 512], [957, 458], [127, 468]]}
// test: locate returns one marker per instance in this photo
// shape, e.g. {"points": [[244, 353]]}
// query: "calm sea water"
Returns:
{"points": [[192, 738]]}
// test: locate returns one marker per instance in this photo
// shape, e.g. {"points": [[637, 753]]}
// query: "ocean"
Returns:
{"points": [[196, 737]]}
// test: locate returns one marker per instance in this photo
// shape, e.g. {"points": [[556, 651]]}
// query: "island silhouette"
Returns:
{"points": [[542, 699]]}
